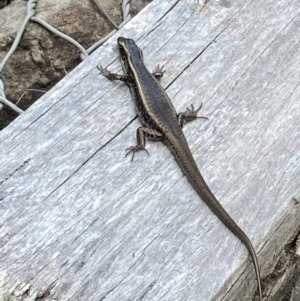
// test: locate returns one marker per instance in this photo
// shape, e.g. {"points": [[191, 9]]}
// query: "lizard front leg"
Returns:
{"points": [[158, 72], [189, 115], [141, 134], [114, 76]]}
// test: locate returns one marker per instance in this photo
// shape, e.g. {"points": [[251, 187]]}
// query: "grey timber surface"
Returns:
{"points": [[78, 221]]}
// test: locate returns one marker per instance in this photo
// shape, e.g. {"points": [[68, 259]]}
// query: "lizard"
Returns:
{"points": [[160, 121]]}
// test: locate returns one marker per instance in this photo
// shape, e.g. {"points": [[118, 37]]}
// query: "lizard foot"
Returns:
{"points": [[134, 149], [189, 115], [158, 72]]}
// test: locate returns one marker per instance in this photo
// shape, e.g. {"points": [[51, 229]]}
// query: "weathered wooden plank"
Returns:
{"points": [[83, 223]]}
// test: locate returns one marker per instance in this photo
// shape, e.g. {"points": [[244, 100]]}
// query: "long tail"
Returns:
{"points": [[189, 167], [208, 197]]}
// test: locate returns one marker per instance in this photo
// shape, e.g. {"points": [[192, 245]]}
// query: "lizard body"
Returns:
{"points": [[161, 122]]}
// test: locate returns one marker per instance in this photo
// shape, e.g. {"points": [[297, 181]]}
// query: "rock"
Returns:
{"points": [[42, 58], [3, 3]]}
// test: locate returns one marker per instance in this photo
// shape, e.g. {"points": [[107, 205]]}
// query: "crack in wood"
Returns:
{"points": [[13, 173], [196, 57], [147, 290], [281, 281]]}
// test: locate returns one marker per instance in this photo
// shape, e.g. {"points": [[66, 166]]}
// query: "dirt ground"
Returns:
{"points": [[24, 94]]}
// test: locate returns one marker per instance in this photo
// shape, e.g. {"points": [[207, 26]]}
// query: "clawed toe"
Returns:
{"points": [[104, 72], [134, 149], [158, 72]]}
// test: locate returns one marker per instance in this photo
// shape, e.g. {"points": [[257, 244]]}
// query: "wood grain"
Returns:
{"points": [[81, 222]]}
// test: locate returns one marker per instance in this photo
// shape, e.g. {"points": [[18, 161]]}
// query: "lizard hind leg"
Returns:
{"points": [[189, 115], [141, 134]]}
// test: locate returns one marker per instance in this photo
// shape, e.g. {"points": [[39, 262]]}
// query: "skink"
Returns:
{"points": [[161, 122]]}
